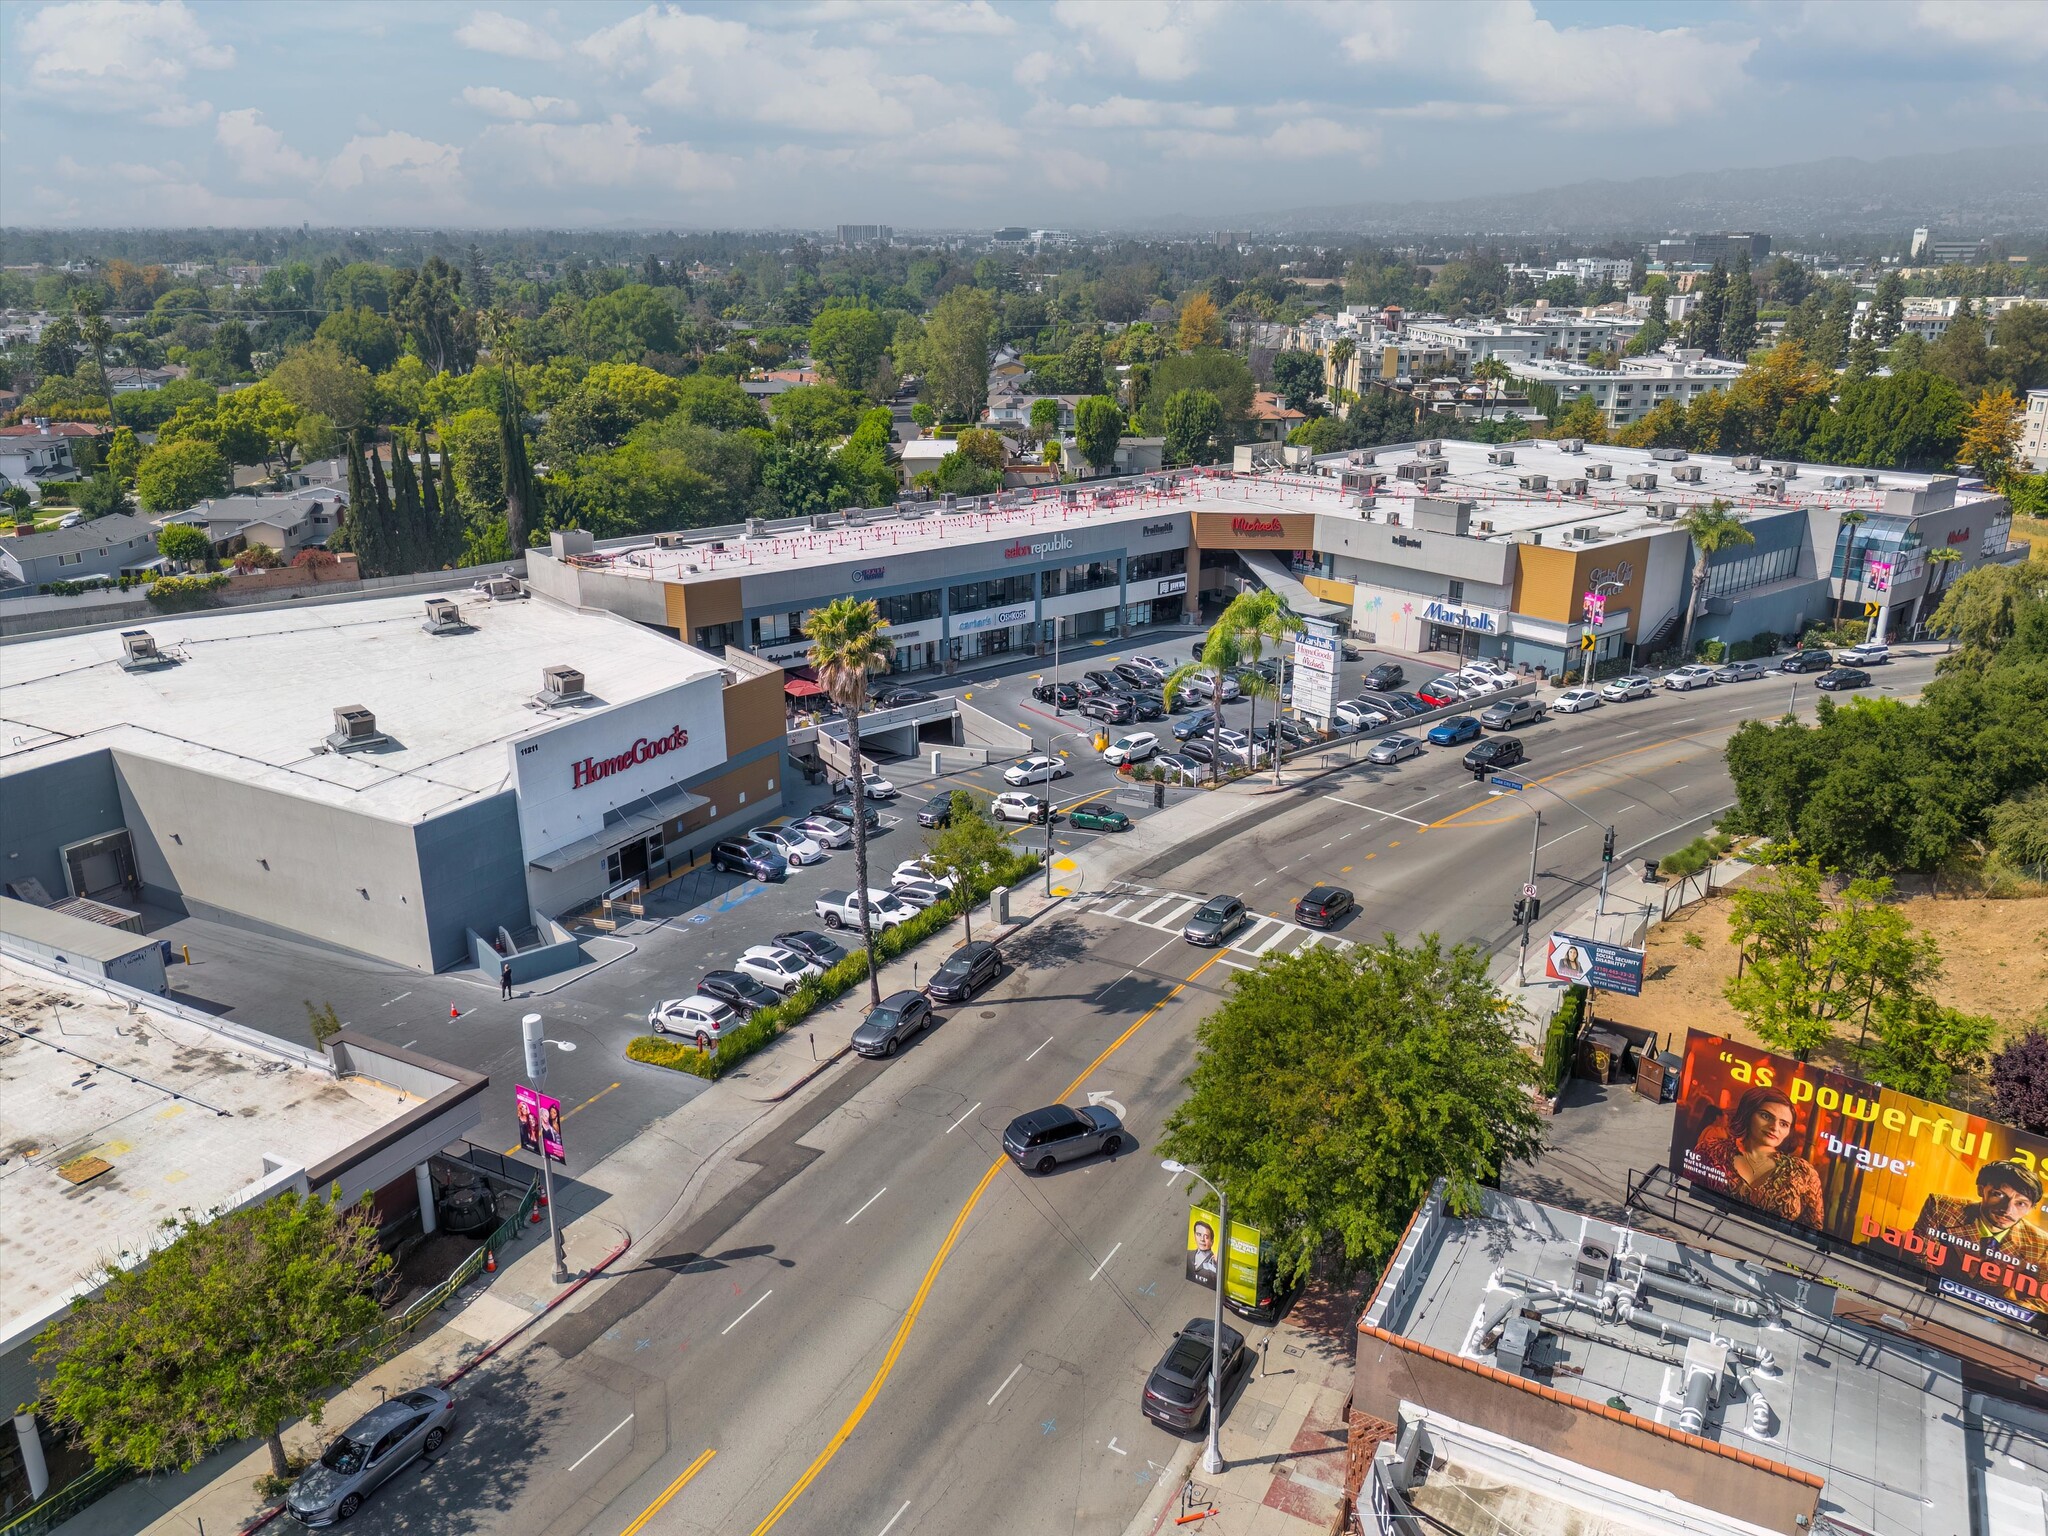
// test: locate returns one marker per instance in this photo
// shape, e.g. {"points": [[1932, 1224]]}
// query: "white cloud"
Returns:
{"points": [[120, 55], [390, 158], [1134, 112], [258, 151], [615, 153], [1036, 69], [389, 163], [507, 36], [496, 101], [1066, 170], [911, 20], [1308, 138], [1159, 39]]}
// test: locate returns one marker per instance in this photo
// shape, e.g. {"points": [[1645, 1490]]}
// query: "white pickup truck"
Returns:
{"points": [[841, 909]]}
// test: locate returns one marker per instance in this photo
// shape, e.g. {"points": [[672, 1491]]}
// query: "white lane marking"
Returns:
{"points": [[999, 1391], [1676, 788], [1041, 1046], [1342, 835], [1624, 736], [1396, 815], [1561, 836], [728, 1328], [600, 1444], [1579, 748], [1117, 1448], [962, 1120], [871, 1200], [408, 1045], [1235, 965], [1280, 931], [1329, 845], [1105, 1260], [398, 999], [1149, 908], [885, 1530], [1423, 801]]}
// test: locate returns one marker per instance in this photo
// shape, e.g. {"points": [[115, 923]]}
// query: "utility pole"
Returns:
{"points": [[1212, 1458], [1527, 904], [530, 1029]]}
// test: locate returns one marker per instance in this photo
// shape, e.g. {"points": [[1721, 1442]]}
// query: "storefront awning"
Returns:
{"points": [[1273, 573], [801, 687], [634, 825]]}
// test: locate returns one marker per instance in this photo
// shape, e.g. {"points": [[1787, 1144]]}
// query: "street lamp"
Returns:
{"points": [[1212, 1458], [1052, 749]]}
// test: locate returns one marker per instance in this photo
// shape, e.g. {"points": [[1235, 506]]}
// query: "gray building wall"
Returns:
{"points": [[51, 807], [472, 875]]}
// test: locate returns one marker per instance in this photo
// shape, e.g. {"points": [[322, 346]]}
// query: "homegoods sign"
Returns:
{"points": [[591, 769]]}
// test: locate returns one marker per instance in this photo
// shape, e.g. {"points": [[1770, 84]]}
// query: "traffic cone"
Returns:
{"points": [[543, 1197], [533, 1216], [454, 1012], [490, 1261]]}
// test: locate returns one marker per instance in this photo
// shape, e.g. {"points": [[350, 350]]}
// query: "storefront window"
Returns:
{"points": [[997, 592], [909, 607], [1168, 562], [1087, 577]]}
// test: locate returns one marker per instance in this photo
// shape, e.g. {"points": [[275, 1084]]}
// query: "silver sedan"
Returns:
{"points": [[1391, 749]]}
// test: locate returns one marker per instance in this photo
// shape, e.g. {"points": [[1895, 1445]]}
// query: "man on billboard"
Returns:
{"points": [[1202, 1254], [2007, 1194], [1744, 1153]]}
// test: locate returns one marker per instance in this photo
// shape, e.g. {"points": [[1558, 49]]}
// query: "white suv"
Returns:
{"points": [[702, 1018], [1685, 679], [779, 969], [1017, 806], [1134, 748]]}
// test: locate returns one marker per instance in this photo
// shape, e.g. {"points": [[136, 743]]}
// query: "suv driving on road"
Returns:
{"points": [[1500, 752], [1045, 1138]]}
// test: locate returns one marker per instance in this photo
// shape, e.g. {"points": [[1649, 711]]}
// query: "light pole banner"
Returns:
{"points": [[1241, 1283], [540, 1123]]}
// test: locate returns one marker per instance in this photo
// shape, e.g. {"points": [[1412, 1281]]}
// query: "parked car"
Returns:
{"points": [[1324, 907], [872, 785], [1200, 750], [1807, 661], [1237, 747], [1438, 694], [1059, 695], [1500, 752], [1099, 679], [899, 1016], [1391, 749], [1871, 653], [842, 811], [1356, 715], [738, 856], [1178, 768], [1200, 723], [1036, 769], [1405, 704], [1463, 687], [700, 1018], [919, 894], [920, 869], [896, 698], [1146, 703], [841, 909], [1110, 709], [1385, 677], [966, 971], [1573, 700], [937, 811], [384, 1440], [821, 950], [793, 845], [1841, 679], [824, 831], [1448, 733], [1739, 672], [1633, 686], [1509, 713], [736, 988], [1687, 678], [1097, 818], [777, 968], [1044, 1138], [1158, 666], [1132, 748], [1177, 1392], [1017, 806], [1215, 921], [1133, 675], [1296, 733]]}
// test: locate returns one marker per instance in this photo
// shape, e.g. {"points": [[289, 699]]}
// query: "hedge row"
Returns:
{"points": [[175, 592], [1561, 1044], [816, 991], [1695, 855]]}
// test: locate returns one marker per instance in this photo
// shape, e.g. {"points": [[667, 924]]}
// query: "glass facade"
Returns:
{"points": [[909, 607], [1884, 539], [1167, 562], [997, 592], [1087, 577], [1751, 570]]}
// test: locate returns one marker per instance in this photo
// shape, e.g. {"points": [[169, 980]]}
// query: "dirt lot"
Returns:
{"points": [[1996, 954]]}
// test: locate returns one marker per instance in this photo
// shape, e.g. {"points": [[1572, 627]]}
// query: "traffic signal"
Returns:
{"points": [[1521, 910], [1535, 908], [1587, 642], [1607, 847]]}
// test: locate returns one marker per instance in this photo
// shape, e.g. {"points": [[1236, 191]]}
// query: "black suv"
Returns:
{"points": [[812, 946], [842, 810], [1385, 677], [1059, 695], [966, 971], [1324, 907], [1840, 679], [1177, 1391], [1110, 709], [1501, 752], [937, 811], [1807, 661], [740, 857], [739, 989]]}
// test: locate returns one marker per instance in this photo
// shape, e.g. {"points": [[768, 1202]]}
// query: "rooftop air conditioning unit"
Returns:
{"points": [[671, 541], [1571, 445], [1785, 471], [138, 649], [1534, 482], [1748, 463], [1770, 486], [1643, 480], [1599, 471], [354, 729], [443, 617], [1362, 457], [1485, 527], [1587, 534], [1576, 486], [1430, 449], [1665, 512], [1500, 456], [498, 589], [561, 685], [1686, 474], [1870, 482], [1668, 455]]}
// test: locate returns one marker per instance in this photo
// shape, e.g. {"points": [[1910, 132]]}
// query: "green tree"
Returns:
{"points": [[923, 416], [1703, 320], [521, 496], [1738, 313], [362, 334], [233, 1327], [1193, 419], [967, 849], [1332, 1089], [956, 347], [709, 401], [816, 413], [1922, 1046], [1581, 419], [322, 379], [2020, 358], [1222, 374], [1045, 417], [849, 647], [1299, 377], [1980, 611], [184, 543], [1493, 373], [961, 474], [2019, 832], [1711, 529], [1905, 420], [643, 394], [1098, 428], [1888, 309], [124, 455], [1960, 354], [174, 476], [849, 344], [984, 447], [426, 304]]}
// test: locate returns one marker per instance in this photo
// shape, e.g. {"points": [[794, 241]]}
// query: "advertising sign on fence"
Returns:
{"points": [[1608, 967], [540, 1123], [1952, 1194]]}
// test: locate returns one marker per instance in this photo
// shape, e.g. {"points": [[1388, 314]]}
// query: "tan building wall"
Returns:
{"points": [[1551, 583], [1255, 530], [754, 712], [694, 604], [728, 795]]}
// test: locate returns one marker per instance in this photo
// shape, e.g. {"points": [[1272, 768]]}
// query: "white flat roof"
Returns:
{"points": [[253, 694], [183, 1114]]}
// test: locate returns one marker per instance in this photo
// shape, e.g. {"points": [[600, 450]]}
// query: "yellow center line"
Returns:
{"points": [[668, 1493], [931, 1275]]}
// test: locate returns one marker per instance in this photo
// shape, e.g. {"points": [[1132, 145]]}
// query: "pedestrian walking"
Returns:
{"points": [[505, 978]]}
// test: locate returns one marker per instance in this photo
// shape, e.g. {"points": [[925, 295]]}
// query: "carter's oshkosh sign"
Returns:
{"points": [[1052, 546], [592, 769]]}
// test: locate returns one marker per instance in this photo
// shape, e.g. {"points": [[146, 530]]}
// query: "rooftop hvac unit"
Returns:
{"points": [[1785, 471], [1665, 511], [443, 617], [1500, 456], [1587, 534], [1770, 486], [671, 540], [1748, 463], [1599, 471], [1595, 1260], [1576, 486], [1686, 474], [1571, 445], [354, 729], [1485, 527], [1430, 449], [561, 685], [1668, 455], [1642, 480], [1870, 482], [139, 652], [1518, 1337], [1534, 482], [498, 589], [1363, 457]]}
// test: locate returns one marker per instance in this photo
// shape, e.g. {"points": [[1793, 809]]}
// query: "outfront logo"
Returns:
{"points": [[868, 573], [591, 769], [1038, 547], [1258, 525]]}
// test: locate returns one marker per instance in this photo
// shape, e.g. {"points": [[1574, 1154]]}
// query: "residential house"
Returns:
{"points": [[1011, 407], [1272, 418], [29, 458], [106, 546], [1134, 456], [1005, 368], [286, 523]]}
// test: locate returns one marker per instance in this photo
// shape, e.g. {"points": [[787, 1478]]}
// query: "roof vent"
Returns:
{"points": [[354, 729], [1599, 471], [1534, 482], [1643, 480], [1786, 471], [1571, 445], [1771, 485], [1748, 463], [1485, 527], [561, 685], [1500, 456], [1665, 511], [1576, 486], [1686, 474], [1668, 455], [1587, 534], [1430, 449], [671, 541], [139, 652], [443, 617], [498, 589]]}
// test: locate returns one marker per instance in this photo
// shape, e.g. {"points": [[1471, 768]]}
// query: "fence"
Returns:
{"points": [[396, 1328], [66, 1502]]}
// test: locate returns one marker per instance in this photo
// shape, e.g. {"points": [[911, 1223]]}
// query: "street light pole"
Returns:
{"points": [[533, 1032], [1212, 1458], [1535, 844]]}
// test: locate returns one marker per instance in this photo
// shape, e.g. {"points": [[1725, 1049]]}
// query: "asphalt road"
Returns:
{"points": [[886, 1327]]}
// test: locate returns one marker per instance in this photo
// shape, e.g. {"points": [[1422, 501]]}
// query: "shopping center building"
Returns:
{"points": [[1423, 547]]}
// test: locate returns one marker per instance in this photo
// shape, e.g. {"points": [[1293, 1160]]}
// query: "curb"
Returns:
{"points": [[811, 1076]]}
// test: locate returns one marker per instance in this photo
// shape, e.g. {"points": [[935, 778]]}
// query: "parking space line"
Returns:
{"points": [[1041, 1046], [999, 1391], [600, 1444]]}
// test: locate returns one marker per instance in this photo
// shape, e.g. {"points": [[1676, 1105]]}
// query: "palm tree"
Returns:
{"points": [[1340, 360], [1712, 529], [1492, 372], [94, 331], [849, 645], [1219, 658], [1851, 520]]}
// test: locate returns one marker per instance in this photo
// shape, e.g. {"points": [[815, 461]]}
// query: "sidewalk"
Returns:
{"points": [[1284, 1436]]}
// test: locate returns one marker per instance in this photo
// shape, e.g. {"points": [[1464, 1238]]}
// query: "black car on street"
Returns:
{"points": [[1324, 907], [1807, 661], [842, 810], [937, 811], [883, 1031], [1059, 695], [1501, 752], [965, 972], [1177, 1391], [1842, 679]]}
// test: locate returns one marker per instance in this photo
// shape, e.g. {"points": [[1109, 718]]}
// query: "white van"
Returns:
{"points": [[1134, 748]]}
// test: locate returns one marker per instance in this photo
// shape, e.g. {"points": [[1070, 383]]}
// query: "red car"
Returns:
{"points": [[1430, 693]]}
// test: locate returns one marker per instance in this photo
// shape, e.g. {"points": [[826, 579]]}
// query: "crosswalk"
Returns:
{"points": [[1169, 911]]}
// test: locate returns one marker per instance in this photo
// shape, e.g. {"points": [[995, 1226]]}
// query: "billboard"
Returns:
{"points": [[1241, 1277], [1952, 1194], [540, 1123], [1315, 675], [1607, 967]]}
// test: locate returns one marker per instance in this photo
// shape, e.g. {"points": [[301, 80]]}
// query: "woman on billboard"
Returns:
{"points": [[1746, 1148]]}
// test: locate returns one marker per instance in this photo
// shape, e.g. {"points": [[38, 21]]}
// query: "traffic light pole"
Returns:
{"points": [[1529, 909]]}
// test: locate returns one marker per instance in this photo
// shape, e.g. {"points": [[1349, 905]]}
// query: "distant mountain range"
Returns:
{"points": [[1989, 191]]}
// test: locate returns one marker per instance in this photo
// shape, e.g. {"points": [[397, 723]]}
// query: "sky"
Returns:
{"points": [[955, 114]]}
